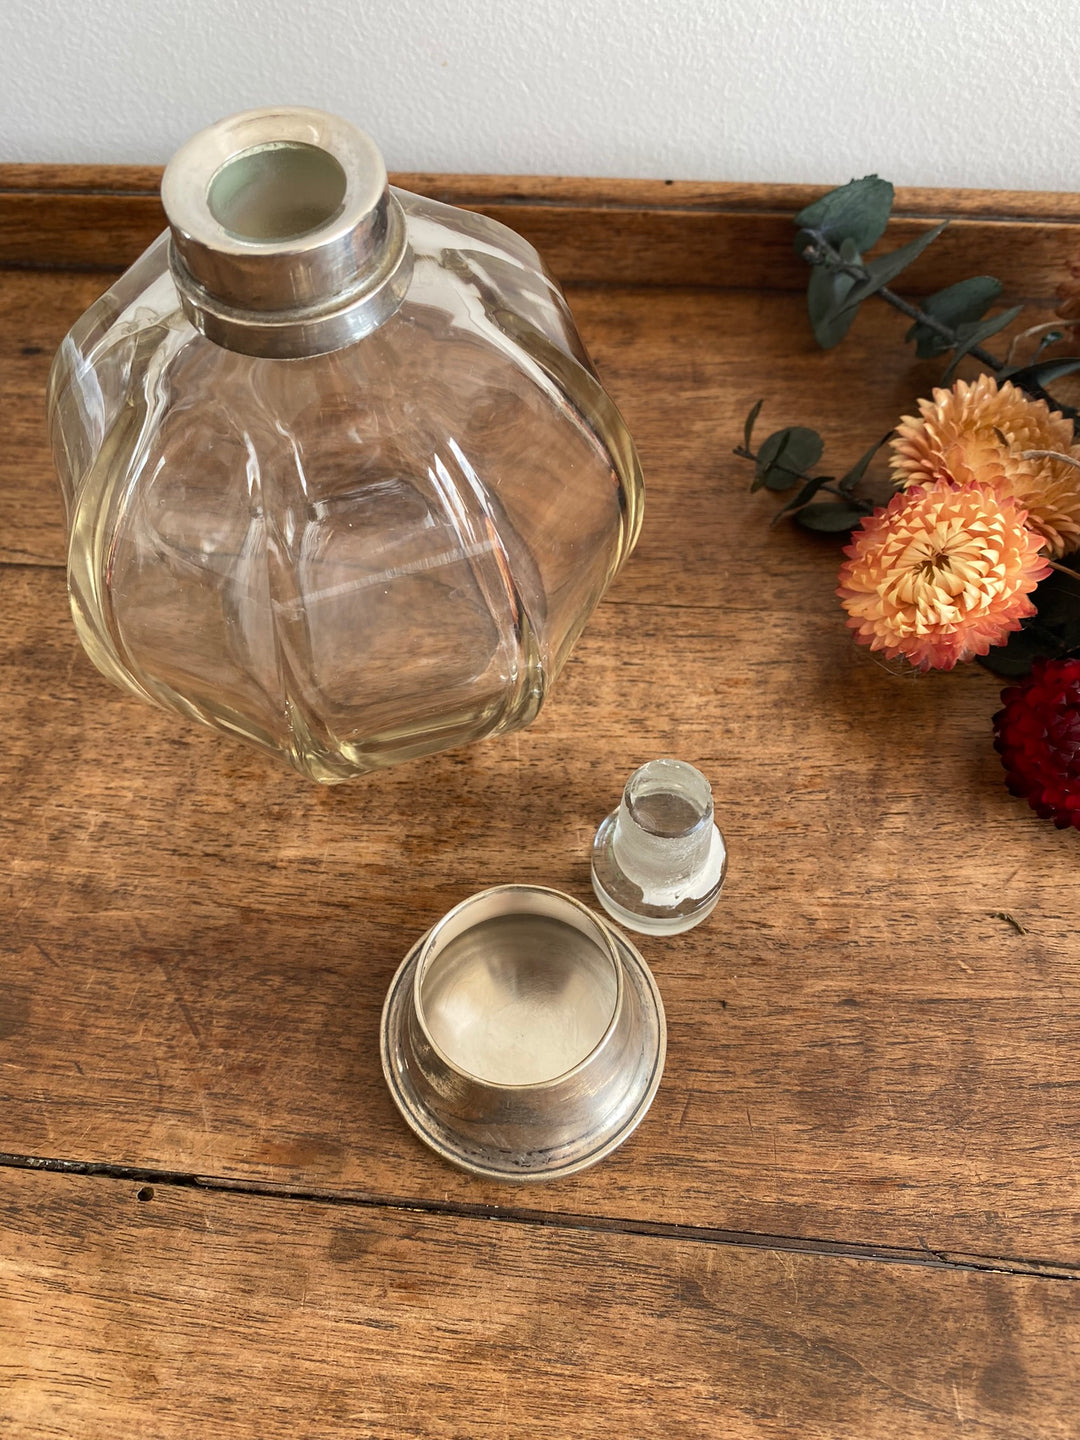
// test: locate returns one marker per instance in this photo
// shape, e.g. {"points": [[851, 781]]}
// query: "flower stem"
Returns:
{"points": [[913, 312], [1050, 455], [855, 501], [822, 252], [1030, 387]]}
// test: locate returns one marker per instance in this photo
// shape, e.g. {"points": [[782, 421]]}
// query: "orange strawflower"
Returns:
{"points": [[940, 574], [977, 433]]}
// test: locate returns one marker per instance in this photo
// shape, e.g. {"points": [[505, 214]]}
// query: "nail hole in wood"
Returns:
{"points": [[146, 1193]]}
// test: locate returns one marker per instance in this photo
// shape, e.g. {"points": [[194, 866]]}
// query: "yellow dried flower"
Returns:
{"points": [[940, 574], [977, 433]]}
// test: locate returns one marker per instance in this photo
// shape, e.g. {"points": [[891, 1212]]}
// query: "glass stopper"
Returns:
{"points": [[659, 861]]}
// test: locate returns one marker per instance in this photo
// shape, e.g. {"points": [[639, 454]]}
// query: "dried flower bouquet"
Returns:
{"points": [[969, 558]]}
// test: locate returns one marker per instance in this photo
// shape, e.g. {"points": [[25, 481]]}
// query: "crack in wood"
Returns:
{"points": [[922, 1254]]}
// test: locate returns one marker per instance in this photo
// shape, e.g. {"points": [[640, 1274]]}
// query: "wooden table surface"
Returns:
{"points": [[851, 1211]]}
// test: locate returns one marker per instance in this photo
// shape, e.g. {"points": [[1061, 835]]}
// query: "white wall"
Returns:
{"points": [[934, 92]]}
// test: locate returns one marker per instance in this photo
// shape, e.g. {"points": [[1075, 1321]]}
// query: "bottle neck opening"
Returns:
{"points": [[278, 191], [286, 240]]}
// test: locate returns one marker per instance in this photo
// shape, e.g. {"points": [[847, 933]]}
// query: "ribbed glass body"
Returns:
{"points": [[349, 558]]}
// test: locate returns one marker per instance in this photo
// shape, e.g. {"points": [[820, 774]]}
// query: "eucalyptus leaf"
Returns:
{"points": [[858, 470], [884, 268], [829, 519], [857, 211], [825, 298], [971, 335], [1016, 657], [786, 456], [1053, 633], [748, 427], [805, 495], [959, 304], [928, 343], [806, 244], [1052, 338], [1045, 372], [1058, 602]]}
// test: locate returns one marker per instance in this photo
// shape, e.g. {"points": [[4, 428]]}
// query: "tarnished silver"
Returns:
{"points": [[523, 1038], [286, 239]]}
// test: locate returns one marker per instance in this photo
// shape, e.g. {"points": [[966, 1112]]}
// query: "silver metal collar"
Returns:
{"points": [[286, 240]]}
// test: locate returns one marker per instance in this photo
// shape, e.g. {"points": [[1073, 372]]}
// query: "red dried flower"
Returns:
{"points": [[1037, 734]]}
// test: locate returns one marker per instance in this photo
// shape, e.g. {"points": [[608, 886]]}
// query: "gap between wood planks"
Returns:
{"points": [[521, 1215]]}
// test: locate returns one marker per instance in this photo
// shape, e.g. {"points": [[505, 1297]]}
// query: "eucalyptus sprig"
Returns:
{"points": [[835, 231], [787, 457], [833, 235]]}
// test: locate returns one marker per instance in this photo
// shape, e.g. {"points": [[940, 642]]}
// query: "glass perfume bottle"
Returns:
{"points": [[340, 478]]}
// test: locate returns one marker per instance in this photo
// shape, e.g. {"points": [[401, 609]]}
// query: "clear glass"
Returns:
{"points": [[659, 861], [355, 558]]}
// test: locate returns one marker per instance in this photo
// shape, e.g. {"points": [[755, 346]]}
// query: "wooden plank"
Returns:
{"points": [[265, 1318], [623, 332], [81, 179], [196, 944], [633, 232], [36, 311], [1036, 206]]}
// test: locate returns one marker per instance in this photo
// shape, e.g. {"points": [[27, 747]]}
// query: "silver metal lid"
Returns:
{"points": [[523, 1038], [286, 240]]}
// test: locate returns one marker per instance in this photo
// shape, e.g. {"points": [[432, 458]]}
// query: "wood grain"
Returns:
{"points": [[1037, 206], [197, 944], [871, 1043], [624, 232], [182, 1311]]}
